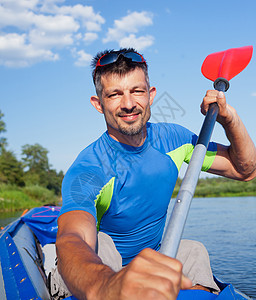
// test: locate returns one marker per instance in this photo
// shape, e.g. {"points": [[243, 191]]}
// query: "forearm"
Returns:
{"points": [[149, 273], [242, 150], [80, 267]]}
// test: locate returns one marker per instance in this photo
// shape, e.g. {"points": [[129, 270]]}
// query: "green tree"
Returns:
{"points": [[54, 181], [36, 164], [3, 140], [11, 171], [35, 158], [37, 168]]}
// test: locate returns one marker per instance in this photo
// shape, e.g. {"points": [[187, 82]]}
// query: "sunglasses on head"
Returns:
{"points": [[110, 58]]}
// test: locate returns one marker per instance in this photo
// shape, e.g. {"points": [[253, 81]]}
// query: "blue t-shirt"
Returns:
{"points": [[128, 189]]}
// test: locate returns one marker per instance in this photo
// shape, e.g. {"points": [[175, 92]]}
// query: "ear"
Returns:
{"points": [[95, 101], [152, 94]]}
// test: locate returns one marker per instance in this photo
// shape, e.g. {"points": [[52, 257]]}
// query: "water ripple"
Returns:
{"points": [[226, 226]]}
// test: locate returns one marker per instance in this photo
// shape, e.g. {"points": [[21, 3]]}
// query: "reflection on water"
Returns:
{"points": [[227, 227], [8, 217]]}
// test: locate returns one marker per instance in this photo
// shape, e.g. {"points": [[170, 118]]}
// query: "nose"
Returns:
{"points": [[127, 102]]}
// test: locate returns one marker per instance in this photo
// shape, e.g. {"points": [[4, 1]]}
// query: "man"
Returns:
{"points": [[120, 186]]}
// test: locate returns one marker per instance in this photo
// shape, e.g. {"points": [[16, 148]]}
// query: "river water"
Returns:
{"points": [[8, 217], [227, 227]]}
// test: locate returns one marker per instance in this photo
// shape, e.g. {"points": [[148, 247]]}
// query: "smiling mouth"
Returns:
{"points": [[129, 117]]}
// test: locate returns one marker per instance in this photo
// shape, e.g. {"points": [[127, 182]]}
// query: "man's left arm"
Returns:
{"points": [[237, 161]]}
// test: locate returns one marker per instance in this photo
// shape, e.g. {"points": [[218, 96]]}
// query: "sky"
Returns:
{"points": [[45, 76]]}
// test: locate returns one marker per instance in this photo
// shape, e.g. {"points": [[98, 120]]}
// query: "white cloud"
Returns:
{"points": [[37, 30], [19, 19], [90, 37], [41, 39], [16, 52], [58, 23], [50, 5], [139, 43], [124, 30], [19, 4], [32, 31], [254, 94], [91, 20], [53, 31], [83, 59]]}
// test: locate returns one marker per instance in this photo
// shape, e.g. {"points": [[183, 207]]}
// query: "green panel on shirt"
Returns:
{"points": [[184, 153], [103, 200]]}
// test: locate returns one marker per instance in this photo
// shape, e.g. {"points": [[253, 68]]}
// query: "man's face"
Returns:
{"points": [[126, 103]]}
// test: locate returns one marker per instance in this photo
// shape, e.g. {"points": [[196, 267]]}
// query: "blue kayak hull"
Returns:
{"points": [[22, 276]]}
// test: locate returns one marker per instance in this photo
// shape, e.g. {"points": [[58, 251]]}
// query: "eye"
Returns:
{"points": [[139, 92], [113, 95]]}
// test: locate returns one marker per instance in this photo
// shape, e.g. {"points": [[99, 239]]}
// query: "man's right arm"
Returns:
{"points": [[150, 275], [78, 263]]}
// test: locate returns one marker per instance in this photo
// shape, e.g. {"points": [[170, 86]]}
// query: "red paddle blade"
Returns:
{"points": [[226, 64]]}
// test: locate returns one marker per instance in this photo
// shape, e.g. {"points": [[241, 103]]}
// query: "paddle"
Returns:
{"points": [[219, 67]]}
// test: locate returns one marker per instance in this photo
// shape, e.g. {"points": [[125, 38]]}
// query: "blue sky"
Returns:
{"points": [[45, 75]]}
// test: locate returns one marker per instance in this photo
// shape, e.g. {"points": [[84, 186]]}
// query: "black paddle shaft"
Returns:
{"points": [[220, 84]]}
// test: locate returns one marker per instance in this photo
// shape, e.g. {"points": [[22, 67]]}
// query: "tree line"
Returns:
{"points": [[32, 169], [32, 181], [220, 187]]}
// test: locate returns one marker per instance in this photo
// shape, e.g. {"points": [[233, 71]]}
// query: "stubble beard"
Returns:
{"points": [[131, 130], [135, 129]]}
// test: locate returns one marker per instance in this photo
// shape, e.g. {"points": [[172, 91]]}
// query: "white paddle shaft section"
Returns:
{"points": [[174, 229]]}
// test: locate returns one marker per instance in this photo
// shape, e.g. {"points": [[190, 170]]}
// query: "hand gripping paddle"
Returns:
{"points": [[219, 67]]}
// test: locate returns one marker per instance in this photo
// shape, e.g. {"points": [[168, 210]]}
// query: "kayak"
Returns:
{"points": [[27, 255]]}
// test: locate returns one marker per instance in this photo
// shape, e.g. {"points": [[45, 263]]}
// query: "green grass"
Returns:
{"points": [[221, 187], [36, 192], [13, 198]]}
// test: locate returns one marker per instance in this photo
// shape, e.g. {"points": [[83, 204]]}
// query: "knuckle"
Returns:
{"points": [[179, 266], [137, 261], [128, 278], [169, 284], [151, 294], [146, 253], [172, 286]]}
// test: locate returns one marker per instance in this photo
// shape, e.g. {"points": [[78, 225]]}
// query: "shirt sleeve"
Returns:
{"points": [[182, 143], [80, 188]]}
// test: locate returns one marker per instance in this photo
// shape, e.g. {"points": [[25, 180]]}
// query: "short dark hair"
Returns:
{"points": [[121, 67]]}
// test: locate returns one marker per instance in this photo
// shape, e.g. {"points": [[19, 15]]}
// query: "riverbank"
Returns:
{"points": [[221, 187], [13, 198]]}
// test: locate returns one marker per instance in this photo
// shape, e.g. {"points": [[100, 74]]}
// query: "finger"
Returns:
{"points": [[221, 99], [186, 283], [160, 258], [211, 93], [170, 279], [220, 95], [155, 266], [204, 107], [212, 96], [160, 264], [159, 287], [150, 293]]}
